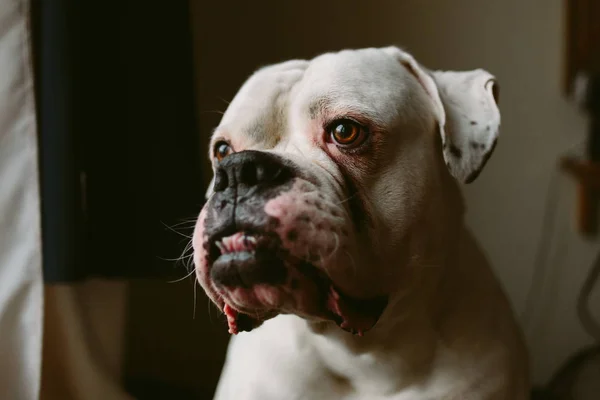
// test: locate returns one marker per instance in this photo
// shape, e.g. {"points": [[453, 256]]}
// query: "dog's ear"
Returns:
{"points": [[472, 125], [468, 116]]}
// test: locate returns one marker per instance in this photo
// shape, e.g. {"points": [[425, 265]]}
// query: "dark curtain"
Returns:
{"points": [[119, 159]]}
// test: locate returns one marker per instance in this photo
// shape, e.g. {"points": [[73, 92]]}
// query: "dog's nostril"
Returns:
{"points": [[249, 174], [252, 174], [268, 173], [261, 173]]}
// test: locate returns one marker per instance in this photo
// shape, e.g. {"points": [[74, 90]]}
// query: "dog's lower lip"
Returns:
{"points": [[226, 268], [243, 260]]}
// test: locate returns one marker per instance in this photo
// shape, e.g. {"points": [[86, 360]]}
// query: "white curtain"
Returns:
{"points": [[21, 297]]}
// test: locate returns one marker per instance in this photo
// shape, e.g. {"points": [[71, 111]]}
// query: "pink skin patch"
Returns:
{"points": [[310, 227], [312, 230]]}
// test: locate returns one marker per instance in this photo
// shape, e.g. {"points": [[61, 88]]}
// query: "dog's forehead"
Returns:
{"points": [[369, 82], [257, 113]]}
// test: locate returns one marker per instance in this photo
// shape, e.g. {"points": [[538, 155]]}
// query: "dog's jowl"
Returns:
{"points": [[333, 237]]}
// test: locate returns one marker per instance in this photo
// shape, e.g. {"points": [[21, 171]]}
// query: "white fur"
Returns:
{"points": [[448, 331]]}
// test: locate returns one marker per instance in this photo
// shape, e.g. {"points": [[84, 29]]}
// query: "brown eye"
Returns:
{"points": [[221, 150], [347, 133]]}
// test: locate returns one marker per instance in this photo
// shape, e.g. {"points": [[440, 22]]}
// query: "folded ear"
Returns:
{"points": [[465, 104], [470, 101]]}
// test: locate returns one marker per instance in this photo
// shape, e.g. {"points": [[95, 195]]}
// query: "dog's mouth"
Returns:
{"points": [[256, 278], [245, 259]]}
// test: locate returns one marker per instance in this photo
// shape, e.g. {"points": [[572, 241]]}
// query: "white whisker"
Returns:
{"points": [[213, 112], [195, 299], [354, 269], [299, 151], [191, 222], [183, 255], [190, 263], [336, 247], [184, 278], [321, 258], [347, 199], [209, 306], [175, 260], [173, 230]]}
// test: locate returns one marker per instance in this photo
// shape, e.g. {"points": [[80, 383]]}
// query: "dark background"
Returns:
{"points": [[120, 158]]}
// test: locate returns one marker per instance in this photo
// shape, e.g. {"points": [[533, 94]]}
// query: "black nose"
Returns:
{"points": [[251, 169]]}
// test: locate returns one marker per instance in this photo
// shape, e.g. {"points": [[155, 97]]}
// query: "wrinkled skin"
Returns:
{"points": [[323, 240]]}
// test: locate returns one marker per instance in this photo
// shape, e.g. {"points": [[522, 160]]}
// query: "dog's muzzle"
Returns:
{"points": [[243, 183], [263, 241]]}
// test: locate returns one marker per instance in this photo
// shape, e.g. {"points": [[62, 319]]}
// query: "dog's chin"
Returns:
{"points": [[254, 278]]}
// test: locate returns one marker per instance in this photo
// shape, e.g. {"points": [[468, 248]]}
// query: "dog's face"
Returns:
{"points": [[322, 169]]}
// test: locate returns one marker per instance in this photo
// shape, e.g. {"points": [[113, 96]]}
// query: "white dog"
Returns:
{"points": [[334, 234]]}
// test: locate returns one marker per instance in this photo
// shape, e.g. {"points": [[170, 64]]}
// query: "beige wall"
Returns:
{"points": [[84, 326], [518, 40]]}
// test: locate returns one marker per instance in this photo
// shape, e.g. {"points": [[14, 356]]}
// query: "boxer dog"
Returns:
{"points": [[333, 236]]}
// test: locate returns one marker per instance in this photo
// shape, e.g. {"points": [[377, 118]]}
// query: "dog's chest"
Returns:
{"points": [[283, 359], [429, 372], [364, 374]]}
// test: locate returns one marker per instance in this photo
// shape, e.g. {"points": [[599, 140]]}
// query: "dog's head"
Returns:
{"points": [[322, 171]]}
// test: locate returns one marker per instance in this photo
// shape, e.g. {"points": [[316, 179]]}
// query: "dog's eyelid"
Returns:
{"points": [[217, 139], [330, 122], [369, 123]]}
